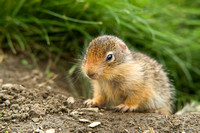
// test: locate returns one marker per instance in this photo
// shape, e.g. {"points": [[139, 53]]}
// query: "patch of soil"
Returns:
{"points": [[30, 102]]}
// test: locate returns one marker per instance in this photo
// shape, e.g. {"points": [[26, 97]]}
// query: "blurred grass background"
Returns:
{"points": [[59, 31]]}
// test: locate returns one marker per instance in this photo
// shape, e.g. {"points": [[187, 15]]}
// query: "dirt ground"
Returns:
{"points": [[30, 102]]}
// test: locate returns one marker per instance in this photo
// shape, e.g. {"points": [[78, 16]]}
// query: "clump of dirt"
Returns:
{"points": [[31, 102]]}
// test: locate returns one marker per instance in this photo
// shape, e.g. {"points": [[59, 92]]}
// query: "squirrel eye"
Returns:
{"points": [[109, 57]]}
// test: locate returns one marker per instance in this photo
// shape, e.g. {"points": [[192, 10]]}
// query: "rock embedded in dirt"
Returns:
{"points": [[37, 111], [89, 109], [94, 124]]}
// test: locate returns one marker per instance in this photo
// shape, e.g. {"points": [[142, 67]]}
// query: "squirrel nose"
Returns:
{"points": [[91, 75]]}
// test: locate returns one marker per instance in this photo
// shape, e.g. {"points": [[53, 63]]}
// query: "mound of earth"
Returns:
{"points": [[31, 102]]}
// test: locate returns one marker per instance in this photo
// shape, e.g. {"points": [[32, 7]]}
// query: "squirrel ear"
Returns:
{"points": [[123, 46]]}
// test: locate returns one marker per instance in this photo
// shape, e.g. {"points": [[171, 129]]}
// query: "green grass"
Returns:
{"points": [[169, 31]]}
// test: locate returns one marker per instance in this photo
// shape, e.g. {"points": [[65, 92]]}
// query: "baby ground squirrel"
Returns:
{"points": [[129, 80]]}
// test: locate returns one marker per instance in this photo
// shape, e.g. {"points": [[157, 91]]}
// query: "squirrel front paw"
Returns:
{"points": [[92, 103], [125, 108]]}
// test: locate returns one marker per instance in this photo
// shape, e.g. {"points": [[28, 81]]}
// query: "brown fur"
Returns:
{"points": [[130, 81]]}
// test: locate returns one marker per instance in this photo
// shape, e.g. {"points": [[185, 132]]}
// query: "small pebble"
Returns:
{"points": [[22, 87], [15, 111], [70, 100], [49, 87], [7, 102], [84, 120], [76, 113], [50, 131], [8, 86], [38, 131], [94, 124], [35, 120], [14, 121], [27, 108]]}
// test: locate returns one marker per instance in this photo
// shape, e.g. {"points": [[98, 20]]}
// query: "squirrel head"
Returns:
{"points": [[103, 54]]}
